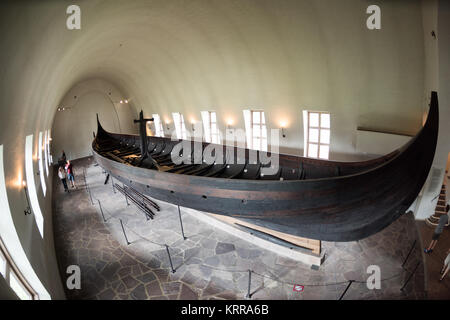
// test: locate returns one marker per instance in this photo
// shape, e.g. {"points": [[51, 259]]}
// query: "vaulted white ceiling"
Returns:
{"points": [[187, 56]]}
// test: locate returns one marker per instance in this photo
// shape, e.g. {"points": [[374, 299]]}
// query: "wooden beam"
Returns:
{"points": [[313, 245]]}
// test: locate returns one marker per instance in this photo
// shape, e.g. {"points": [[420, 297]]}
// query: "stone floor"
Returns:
{"points": [[210, 264]]}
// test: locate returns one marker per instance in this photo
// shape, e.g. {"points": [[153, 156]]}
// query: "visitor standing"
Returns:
{"points": [[70, 173], [443, 220], [62, 177]]}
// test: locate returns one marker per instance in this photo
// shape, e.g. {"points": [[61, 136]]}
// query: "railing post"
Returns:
{"points": [[123, 229], [125, 193], [112, 183], [181, 223], [170, 259], [101, 210], [346, 289], [410, 276], [409, 253], [249, 296]]}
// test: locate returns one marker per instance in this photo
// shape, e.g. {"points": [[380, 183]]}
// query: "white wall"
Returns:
{"points": [[72, 128]]}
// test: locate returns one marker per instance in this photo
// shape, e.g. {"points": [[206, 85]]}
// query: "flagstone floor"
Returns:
{"points": [[210, 263]]}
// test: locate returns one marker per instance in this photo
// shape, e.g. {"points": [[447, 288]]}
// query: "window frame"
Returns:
{"points": [[213, 136], [11, 268], [319, 128], [31, 185], [261, 125], [180, 126], [159, 129]]}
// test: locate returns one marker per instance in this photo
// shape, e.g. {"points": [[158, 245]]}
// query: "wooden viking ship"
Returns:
{"points": [[311, 198]]}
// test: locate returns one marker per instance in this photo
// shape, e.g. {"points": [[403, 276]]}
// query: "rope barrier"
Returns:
{"points": [[249, 271]]}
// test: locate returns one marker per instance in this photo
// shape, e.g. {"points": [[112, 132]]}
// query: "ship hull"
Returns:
{"points": [[337, 208]]}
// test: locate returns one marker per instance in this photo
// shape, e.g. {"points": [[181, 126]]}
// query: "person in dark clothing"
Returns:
{"points": [[70, 173], [62, 160], [443, 221], [62, 177]]}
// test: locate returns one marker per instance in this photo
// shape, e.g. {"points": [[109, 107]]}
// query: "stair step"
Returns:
{"points": [[433, 224]]}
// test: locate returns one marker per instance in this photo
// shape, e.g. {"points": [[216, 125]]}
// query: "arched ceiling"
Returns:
{"points": [[178, 55]]}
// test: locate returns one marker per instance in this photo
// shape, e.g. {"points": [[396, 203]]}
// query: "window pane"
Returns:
{"points": [[264, 144], [2, 265], [18, 288], [256, 117], [255, 143], [325, 136], [213, 127], [32, 193], [313, 119], [263, 118], [256, 131], [325, 120], [312, 150], [324, 151], [264, 132], [213, 117], [313, 135]]}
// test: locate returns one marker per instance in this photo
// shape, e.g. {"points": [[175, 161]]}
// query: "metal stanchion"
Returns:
{"points": [[410, 276], [181, 223], [170, 259], [249, 296], [346, 289], [101, 210], [125, 193], [123, 229], [409, 253]]}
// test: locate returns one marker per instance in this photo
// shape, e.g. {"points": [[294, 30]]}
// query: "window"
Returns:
{"points": [[159, 131], [317, 134], [12, 256], [31, 186], [12, 276], [255, 126], [46, 151], [41, 163], [210, 125], [180, 127], [2, 265], [49, 139]]}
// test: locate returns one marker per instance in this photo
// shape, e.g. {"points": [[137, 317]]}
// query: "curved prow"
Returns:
{"points": [[101, 133]]}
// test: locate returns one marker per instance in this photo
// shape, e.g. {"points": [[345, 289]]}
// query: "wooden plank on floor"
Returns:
{"points": [[314, 245]]}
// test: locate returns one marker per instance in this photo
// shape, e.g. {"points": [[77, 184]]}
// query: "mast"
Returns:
{"points": [[143, 134]]}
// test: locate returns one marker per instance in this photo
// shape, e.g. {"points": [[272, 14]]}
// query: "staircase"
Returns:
{"points": [[433, 220]]}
